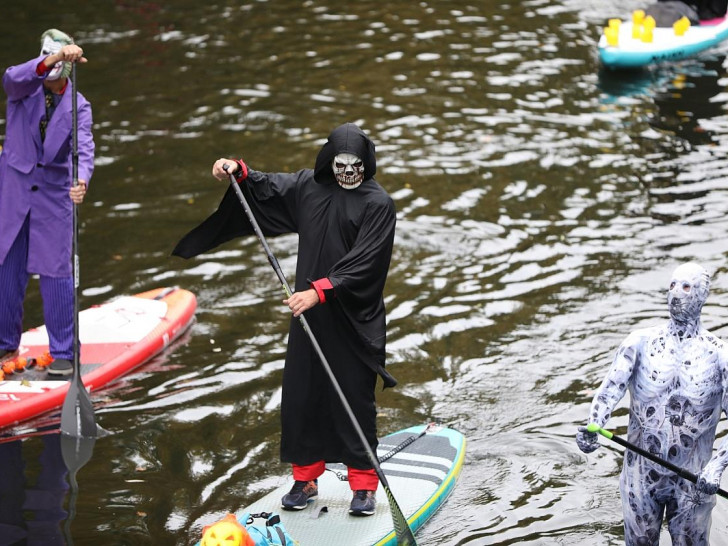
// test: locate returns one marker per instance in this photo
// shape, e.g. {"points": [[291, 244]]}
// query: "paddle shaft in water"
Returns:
{"points": [[77, 414], [593, 427], [405, 536]]}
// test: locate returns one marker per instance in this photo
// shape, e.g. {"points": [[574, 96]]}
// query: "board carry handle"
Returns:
{"points": [[166, 292]]}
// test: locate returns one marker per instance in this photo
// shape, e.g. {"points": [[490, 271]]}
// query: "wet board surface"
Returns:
{"points": [[116, 337], [420, 476], [666, 45]]}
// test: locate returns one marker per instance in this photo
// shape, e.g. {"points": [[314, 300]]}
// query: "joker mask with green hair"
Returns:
{"points": [[51, 42]]}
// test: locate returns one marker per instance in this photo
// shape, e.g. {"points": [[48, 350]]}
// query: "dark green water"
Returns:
{"points": [[542, 205]]}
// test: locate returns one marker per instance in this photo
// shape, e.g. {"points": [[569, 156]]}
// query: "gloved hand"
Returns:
{"points": [[587, 441], [709, 478]]}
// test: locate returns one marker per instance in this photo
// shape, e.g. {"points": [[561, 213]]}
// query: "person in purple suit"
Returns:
{"points": [[37, 194]]}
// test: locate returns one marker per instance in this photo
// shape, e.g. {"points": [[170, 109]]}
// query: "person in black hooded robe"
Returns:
{"points": [[345, 222]]}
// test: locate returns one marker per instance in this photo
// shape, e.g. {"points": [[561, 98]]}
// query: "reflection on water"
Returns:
{"points": [[32, 492], [542, 203], [76, 452]]}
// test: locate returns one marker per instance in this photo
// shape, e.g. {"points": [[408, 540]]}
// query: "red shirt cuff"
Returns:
{"points": [[320, 286], [42, 69]]}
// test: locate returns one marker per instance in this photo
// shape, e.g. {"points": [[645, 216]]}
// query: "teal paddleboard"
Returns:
{"points": [[421, 463]]}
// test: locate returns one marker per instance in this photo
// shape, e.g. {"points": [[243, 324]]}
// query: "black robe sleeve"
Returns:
{"points": [[359, 277], [272, 198]]}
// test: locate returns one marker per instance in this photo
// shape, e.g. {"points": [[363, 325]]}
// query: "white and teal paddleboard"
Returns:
{"points": [[421, 474], [631, 52]]}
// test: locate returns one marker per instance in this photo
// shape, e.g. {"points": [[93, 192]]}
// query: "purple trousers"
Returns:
{"points": [[57, 294]]}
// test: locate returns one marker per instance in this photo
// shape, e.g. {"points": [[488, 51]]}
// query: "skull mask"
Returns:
{"points": [[688, 291], [348, 170]]}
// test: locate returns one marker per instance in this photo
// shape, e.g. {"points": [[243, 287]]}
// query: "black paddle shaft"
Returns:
{"points": [[74, 181], [77, 413], [405, 535], [667, 464]]}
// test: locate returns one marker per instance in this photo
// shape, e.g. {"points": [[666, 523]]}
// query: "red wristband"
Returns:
{"points": [[242, 174], [320, 286]]}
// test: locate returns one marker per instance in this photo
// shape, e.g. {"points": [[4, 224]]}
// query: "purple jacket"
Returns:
{"points": [[35, 176]]}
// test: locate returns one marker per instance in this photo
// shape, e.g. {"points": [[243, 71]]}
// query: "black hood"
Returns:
{"points": [[347, 138]]}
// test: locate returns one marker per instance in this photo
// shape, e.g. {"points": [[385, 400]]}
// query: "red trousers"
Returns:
{"points": [[358, 479]]}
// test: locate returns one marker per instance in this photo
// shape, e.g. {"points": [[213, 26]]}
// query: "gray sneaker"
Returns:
{"points": [[300, 495], [363, 503]]}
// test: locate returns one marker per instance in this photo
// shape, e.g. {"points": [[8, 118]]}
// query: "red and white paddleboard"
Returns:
{"points": [[116, 337]]}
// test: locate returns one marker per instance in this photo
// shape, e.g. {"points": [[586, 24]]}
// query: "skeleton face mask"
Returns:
{"points": [[688, 291], [348, 170]]}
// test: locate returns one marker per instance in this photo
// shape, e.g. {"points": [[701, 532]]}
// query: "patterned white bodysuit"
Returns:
{"points": [[677, 377]]}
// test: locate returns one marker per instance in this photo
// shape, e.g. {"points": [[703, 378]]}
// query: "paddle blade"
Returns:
{"points": [[405, 536], [77, 414], [76, 452]]}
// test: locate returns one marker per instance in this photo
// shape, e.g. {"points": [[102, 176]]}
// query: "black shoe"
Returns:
{"points": [[6, 354], [60, 366], [363, 503], [300, 495]]}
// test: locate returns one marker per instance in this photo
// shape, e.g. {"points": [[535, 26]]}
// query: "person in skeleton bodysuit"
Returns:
{"points": [[677, 376], [345, 222]]}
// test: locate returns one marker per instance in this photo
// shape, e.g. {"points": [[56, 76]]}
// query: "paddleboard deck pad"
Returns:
{"points": [[421, 475], [116, 337], [665, 46]]}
